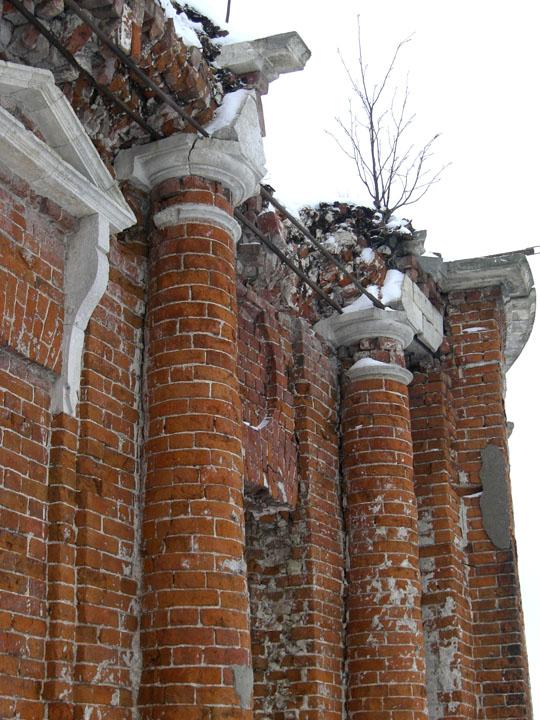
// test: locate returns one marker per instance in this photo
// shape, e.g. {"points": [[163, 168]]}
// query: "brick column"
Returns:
{"points": [[195, 639], [384, 641]]}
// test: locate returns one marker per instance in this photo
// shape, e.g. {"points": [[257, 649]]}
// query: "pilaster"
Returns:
{"points": [[385, 657], [195, 634]]}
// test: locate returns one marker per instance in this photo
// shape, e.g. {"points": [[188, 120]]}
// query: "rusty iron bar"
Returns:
{"points": [[72, 61], [281, 255], [299, 226], [133, 67]]}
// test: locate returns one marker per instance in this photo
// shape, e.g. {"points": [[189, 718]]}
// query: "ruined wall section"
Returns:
{"points": [[108, 493], [294, 543], [446, 602], [142, 30], [476, 368], [69, 492]]}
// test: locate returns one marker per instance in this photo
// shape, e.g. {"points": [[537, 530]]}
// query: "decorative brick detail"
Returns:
{"points": [[384, 648], [265, 362], [195, 633]]}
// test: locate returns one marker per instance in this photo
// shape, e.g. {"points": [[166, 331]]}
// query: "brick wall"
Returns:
{"points": [[71, 497], [296, 560]]}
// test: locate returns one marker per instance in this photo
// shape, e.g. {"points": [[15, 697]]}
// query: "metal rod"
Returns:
{"points": [[137, 72], [297, 224], [69, 57], [228, 11], [281, 255]]}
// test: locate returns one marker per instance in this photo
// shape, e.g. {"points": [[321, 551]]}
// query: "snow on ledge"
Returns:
{"points": [[228, 111], [388, 293], [367, 362]]}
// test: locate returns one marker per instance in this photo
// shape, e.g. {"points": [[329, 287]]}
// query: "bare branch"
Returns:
{"points": [[392, 169]]}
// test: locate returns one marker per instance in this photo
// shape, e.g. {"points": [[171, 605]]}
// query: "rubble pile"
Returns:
{"points": [[181, 64], [365, 243]]}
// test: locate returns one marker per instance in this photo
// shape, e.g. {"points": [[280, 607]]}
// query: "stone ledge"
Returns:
{"points": [[271, 56], [512, 273]]}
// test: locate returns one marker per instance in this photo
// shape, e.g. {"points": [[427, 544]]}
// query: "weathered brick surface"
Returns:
{"points": [[31, 278], [295, 562], [446, 603], [384, 647], [476, 366], [108, 494], [124, 591], [195, 619], [265, 366]]}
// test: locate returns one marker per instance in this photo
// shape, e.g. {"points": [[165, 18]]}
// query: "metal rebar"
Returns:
{"points": [[281, 255], [137, 72], [298, 225], [72, 61]]}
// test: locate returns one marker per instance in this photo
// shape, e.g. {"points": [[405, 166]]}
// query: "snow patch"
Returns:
{"points": [[399, 225], [367, 255], [227, 111], [389, 292], [185, 28]]}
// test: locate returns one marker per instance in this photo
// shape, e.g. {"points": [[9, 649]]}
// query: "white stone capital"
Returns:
{"points": [[349, 328], [233, 155], [198, 213], [375, 369]]}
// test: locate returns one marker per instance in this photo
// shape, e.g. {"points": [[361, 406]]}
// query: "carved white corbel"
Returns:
{"points": [[86, 278]]}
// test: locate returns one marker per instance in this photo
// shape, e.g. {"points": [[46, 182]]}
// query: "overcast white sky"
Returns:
{"points": [[473, 75]]}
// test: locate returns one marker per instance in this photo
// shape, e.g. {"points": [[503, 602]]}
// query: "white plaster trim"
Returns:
{"points": [[272, 56], [233, 156], [350, 328], [34, 91], [86, 277], [49, 175], [383, 370], [67, 169], [198, 213], [512, 273]]}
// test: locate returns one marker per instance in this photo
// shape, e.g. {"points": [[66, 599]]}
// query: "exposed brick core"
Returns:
{"points": [[295, 563], [446, 606], [384, 647], [195, 618]]}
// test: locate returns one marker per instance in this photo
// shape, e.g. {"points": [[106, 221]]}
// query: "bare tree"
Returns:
{"points": [[394, 171]]}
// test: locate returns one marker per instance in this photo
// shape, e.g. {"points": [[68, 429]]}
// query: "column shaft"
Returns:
{"points": [[195, 617], [385, 655]]}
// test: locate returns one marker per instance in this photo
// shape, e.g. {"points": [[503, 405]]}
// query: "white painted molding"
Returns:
{"points": [[381, 370], [49, 175], [67, 169], [35, 93], [233, 156], [86, 277], [272, 56], [198, 213], [350, 328]]}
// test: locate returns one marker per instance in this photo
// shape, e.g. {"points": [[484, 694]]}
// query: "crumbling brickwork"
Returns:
{"points": [[220, 497]]}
